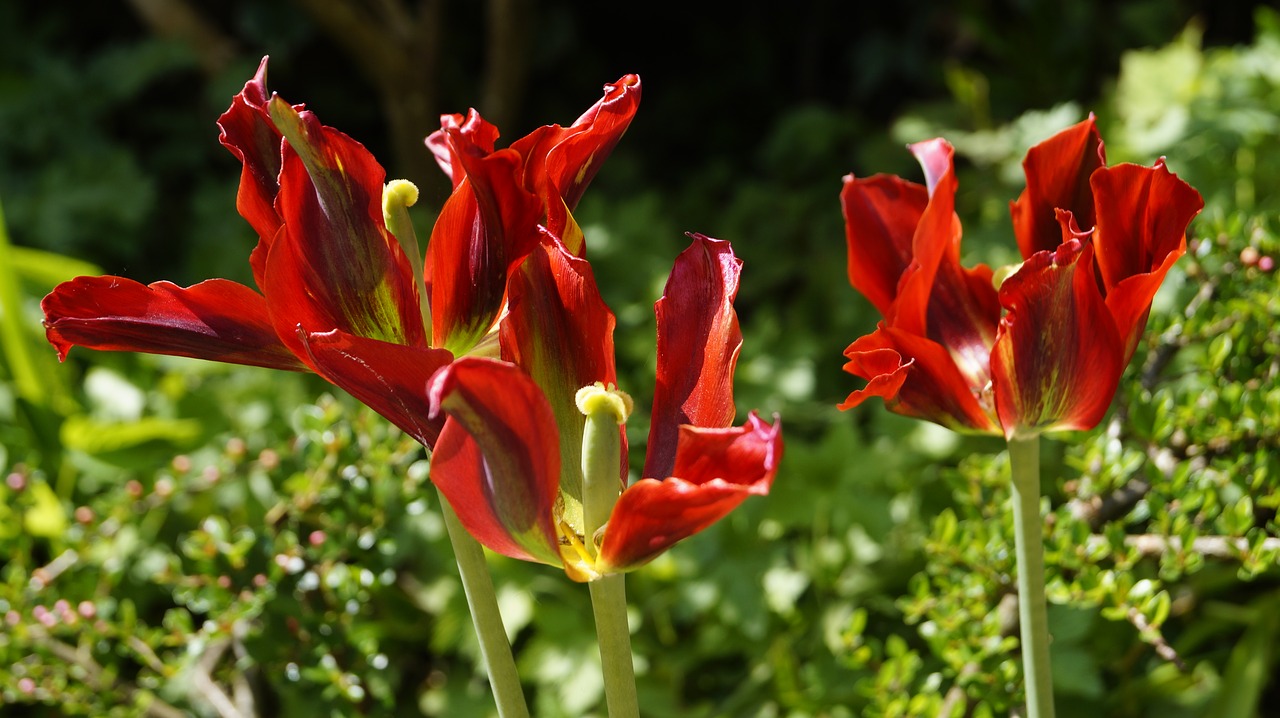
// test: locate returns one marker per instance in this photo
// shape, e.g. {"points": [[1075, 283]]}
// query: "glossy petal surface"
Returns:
{"points": [[1058, 360], [390, 378], [714, 471], [247, 131], [698, 344], [880, 218], [940, 318], [1058, 172], [486, 228], [481, 135], [215, 319], [497, 460], [559, 162], [1143, 214], [333, 264], [560, 332], [917, 377]]}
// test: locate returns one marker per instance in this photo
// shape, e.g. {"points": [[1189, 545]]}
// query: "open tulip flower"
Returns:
{"points": [[512, 456], [503, 302], [1043, 350], [341, 288]]}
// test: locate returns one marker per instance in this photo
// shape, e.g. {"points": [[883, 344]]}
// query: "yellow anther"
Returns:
{"points": [[598, 398], [399, 193]]}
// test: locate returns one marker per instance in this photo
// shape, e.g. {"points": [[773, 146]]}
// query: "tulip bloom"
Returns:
{"points": [[1045, 350], [336, 292], [510, 460]]}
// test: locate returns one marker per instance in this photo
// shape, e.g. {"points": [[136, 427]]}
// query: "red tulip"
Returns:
{"points": [[1045, 350], [509, 458], [335, 291]]}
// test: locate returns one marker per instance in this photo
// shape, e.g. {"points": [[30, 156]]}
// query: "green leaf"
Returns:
{"points": [[46, 518], [102, 439], [1249, 667]]}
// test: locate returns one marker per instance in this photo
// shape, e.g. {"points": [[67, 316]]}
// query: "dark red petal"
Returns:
{"points": [[497, 460], [937, 297], [247, 131], [1143, 214], [936, 240], [481, 134], [1058, 360], [215, 319], [560, 332], [333, 264], [568, 158], [714, 471], [390, 378], [487, 226], [698, 344], [880, 218], [1058, 172], [918, 377]]}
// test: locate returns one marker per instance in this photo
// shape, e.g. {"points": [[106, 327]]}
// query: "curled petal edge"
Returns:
{"points": [[715, 471]]}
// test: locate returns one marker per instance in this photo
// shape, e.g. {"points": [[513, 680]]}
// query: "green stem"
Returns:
{"points": [[495, 650], [605, 410], [609, 604], [477, 584], [1024, 460]]}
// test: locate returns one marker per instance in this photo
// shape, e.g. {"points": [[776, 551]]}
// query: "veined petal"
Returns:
{"points": [[333, 264], [1058, 172], [698, 344], [216, 319], [1058, 360], [247, 131], [1143, 215], [390, 378], [486, 228], [881, 214], [714, 471], [918, 377], [497, 461], [560, 332]]}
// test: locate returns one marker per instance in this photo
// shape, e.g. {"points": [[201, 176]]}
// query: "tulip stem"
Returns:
{"points": [[495, 649], [609, 604], [1024, 461], [606, 409]]}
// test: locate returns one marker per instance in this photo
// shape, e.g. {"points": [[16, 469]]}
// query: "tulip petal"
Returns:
{"points": [[1143, 215], [216, 320], [1058, 172], [486, 228], [568, 158], [481, 134], [937, 298], [560, 332], [714, 471], [247, 131], [559, 162], [918, 377], [390, 378], [334, 265], [497, 460], [1058, 360], [698, 344], [880, 218]]}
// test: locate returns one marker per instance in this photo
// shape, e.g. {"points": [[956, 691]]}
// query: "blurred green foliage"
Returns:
{"points": [[179, 537]]}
